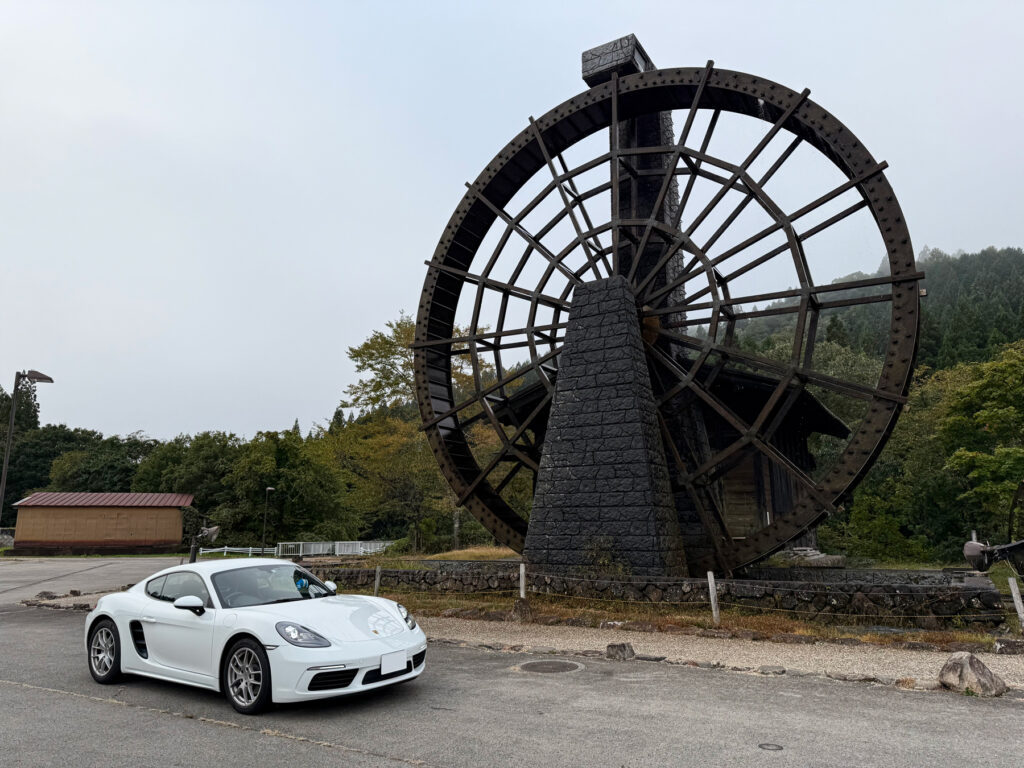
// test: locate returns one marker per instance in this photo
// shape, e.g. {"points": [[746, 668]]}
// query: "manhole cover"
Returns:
{"points": [[550, 666], [771, 747]]}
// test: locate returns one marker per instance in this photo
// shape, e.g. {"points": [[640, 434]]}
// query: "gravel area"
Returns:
{"points": [[819, 658]]}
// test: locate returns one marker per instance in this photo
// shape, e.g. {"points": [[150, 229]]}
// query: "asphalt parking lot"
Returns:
{"points": [[22, 578], [473, 707]]}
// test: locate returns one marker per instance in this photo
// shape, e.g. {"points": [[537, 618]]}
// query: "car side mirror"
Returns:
{"points": [[191, 603], [331, 586]]}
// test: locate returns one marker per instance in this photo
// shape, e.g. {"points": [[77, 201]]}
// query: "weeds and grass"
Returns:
{"points": [[1001, 573], [477, 553]]}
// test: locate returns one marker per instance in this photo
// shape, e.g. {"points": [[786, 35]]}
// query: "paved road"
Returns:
{"points": [[475, 708], [25, 577]]}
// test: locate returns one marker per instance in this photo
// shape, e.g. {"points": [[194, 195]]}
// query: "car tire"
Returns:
{"points": [[245, 677], [104, 652]]}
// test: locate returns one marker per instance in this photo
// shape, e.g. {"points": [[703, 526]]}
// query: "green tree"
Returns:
{"points": [[310, 500], [108, 466], [198, 464], [33, 453], [983, 434], [396, 483], [387, 358]]}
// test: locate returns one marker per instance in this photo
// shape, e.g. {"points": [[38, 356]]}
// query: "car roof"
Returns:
{"points": [[210, 567]]}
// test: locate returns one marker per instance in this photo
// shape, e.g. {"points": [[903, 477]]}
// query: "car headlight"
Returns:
{"points": [[410, 622], [296, 634]]}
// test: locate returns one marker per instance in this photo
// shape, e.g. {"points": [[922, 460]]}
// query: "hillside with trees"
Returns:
{"points": [[951, 466]]}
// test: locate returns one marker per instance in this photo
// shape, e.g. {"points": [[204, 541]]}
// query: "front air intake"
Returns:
{"points": [[326, 681]]}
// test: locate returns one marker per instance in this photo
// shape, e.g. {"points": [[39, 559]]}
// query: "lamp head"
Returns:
{"points": [[37, 378]]}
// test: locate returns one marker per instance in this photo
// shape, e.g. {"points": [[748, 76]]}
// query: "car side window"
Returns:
{"points": [[155, 586], [185, 583]]}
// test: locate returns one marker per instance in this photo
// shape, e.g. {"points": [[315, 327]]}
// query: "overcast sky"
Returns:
{"points": [[203, 204]]}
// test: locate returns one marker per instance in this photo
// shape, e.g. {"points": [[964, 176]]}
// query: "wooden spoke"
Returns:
{"points": [[754, 153], [535, 329], [743, 203], [859, 391], [669, 169], [800, 213], [509, 476], [509, 446], [814, 292], [497, 285], [579, 200], [521, 231], [493, 387], [686, 277], [565, 198]]}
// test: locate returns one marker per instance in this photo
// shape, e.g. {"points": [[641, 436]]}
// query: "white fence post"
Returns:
{"points": [[713, 594], [522, 581], [376, 582], [1015, 591]]}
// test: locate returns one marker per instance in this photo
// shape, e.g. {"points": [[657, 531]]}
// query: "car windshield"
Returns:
{"points": [[265, 584]]}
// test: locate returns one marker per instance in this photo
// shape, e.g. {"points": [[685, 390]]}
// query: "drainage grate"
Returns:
{"points": [[550, 666]]}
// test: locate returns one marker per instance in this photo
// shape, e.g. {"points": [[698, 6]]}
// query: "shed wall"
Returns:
{"points": [[98, 527]]}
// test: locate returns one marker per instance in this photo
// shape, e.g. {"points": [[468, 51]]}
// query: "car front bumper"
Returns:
{"points": [[293, 669]]}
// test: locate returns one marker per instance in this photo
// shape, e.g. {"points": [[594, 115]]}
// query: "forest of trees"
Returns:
{"points": [[951, 466]]}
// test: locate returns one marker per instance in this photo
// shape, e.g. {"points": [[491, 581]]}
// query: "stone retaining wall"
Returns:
{"points": [[860, 575], [928, 606]]}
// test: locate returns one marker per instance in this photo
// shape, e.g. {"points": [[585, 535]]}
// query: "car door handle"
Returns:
{"points": [[149, 619]]}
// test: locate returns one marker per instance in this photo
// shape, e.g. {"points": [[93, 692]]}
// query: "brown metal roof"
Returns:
{"points": [[77, 499]]}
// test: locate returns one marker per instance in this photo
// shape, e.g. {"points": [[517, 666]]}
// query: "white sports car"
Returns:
{"points": [[260, 630]]}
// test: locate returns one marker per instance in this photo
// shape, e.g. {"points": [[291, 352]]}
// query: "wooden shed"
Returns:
{"points": [[86, 523]]}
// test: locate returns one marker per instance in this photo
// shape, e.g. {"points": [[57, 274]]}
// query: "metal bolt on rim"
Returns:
{"points": [[245, 676], [101, 651]]}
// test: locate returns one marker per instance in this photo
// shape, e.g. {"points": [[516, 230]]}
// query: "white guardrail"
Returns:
{"points": [[304, 548], [249, 551]]}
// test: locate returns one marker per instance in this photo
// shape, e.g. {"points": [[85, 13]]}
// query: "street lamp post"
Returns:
{"points": [[266, 503], [36, 378]]}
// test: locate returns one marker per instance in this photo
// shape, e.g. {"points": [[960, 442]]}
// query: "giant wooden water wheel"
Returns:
{"points": [[766, 424]]}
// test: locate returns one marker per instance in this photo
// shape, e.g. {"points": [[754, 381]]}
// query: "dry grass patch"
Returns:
{"points": [[477, 553]]}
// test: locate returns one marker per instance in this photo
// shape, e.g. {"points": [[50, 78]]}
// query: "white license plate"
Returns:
{"points": [[392, 662]]}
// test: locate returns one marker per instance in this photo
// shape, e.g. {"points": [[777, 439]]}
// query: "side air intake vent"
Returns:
{"points": [[139, 639]]}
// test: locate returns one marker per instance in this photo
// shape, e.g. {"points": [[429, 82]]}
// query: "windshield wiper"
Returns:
{"points": [[284, 600]]}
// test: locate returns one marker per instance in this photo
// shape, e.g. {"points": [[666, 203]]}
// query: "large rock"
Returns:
{"points": [[620, 651], [966, 673]]}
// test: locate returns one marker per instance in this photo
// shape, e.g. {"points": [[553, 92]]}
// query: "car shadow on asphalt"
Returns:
{"points": [[176, 697]]}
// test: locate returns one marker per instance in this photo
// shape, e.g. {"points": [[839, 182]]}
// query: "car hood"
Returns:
{"points": [[339, 618]]}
